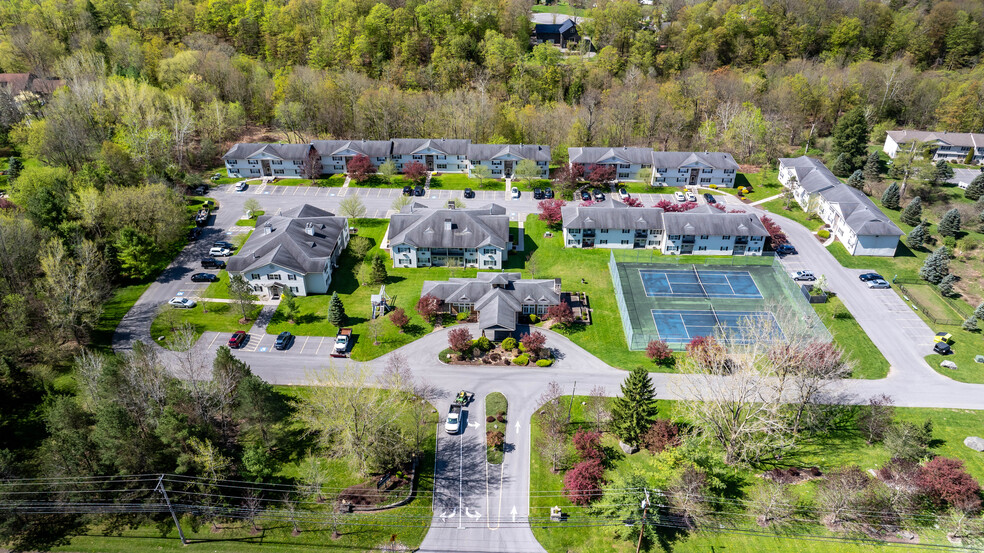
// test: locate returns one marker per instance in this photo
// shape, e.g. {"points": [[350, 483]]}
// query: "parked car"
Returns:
{"points": [[212, 263], [201, 218], [219, 251], [408, 190], [204, 277], [785, 249], [514, 193], [548, 192], [870, 276], [691, 197], [599, 196], [622, 193], [181, 303], [679, 196], [224, 244], [237, 339], [215, 177], [709, 198], [200, 190], [469, 193], [878, 283], [537, 194], [284, 340], [418, 191], [942, 348], [241, 186], [585, 195], [803, 275], [453, 423]]}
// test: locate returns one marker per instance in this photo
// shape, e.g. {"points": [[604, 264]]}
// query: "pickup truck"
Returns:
{"points": [[342, 341], [453, 424]]}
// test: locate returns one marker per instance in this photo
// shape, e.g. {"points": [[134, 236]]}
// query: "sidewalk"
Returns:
{"points": [[769, 199], [263, 319]]}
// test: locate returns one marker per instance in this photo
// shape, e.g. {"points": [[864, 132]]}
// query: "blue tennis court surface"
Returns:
{"points": [[688, 283], [674, 325]]}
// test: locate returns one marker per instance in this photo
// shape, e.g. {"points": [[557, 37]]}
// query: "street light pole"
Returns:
{"points": [[642, 526]]}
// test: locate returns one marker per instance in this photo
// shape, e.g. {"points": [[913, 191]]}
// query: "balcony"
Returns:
{"points": [[688, 240]]}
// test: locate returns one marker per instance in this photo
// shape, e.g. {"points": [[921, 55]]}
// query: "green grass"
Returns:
{"points": [[765, 184], [840, 447], [523, 184], [246, 223], [220, 317], [794, 212], [495, 403], [460, 181], [928, 298], [905, 264], [560, 7], [220, 288], [376, 181], [113, 312], [853, 341]]}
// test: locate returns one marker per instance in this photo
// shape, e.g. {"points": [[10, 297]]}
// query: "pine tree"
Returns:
{"points": [[942, 172], [635, 410], [842, 166], [336, 311], [856, 180], [872, 167], [976, 188], [890, 198], [912, 214], [950, 223], [936, 266], [917, 237], [946, 285], [378, 270], [851, 138], [979, 311], [970, 324]]}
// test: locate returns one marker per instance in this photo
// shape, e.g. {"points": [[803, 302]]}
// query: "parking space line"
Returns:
{"points": [[304, 345], [214, 338], [321, 343]]}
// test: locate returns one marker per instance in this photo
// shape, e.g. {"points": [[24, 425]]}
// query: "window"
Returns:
{"points": [[337, 158], [724, 248], [661, 169], [604, 231], [671, 248], [729, 171], [418, 157], [645, 166], [703, 237], [660, 179], [291, 276], [602, 241], [254, 171], [726, 181], [254, 276], [232, 162], [674, 237], [277, 162], [624, 166], [496, 163], [625, 242], [707, 170], [488, 263], [294, 289], [701, 248], [726, 237], [442, 157], [253, 162], [257, 288], [278, 171], [442, 165], [623, 175], [497, 172], [527, 309], [273, 276], [705, 180], [572, 242]]}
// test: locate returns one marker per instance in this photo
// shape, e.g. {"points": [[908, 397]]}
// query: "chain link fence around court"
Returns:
{"points": [[779, 295]]}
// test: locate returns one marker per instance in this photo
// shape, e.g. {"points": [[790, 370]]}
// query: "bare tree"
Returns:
{"points": [[251, 508], [688, 497], [290, 506], [773, 504], [552, 412], [596, 409], [876, 417]]}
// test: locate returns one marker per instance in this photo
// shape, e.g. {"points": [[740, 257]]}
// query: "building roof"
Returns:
{"points": [[970, 140], [302, 239], [451, 147], [508, 152], [498, 297], [716, 160], [555, 28], [268, 151], [625, 154], [618, 216], [15, 83], [858, 211], [422, 227], [370, 148], [714, 222]]}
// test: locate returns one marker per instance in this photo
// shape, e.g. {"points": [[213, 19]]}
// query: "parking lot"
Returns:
{"points": [[261, 342]]}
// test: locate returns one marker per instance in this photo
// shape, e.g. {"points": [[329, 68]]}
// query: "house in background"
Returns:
{"points": [[694, 169], [953, 147], [502, 159], [295, 250], [499, 299], [559, 33], [419, 236], [335, 155], [27, 87], [443, 156], [618, 226], [254, 161], [853, 218], [627, 161]]}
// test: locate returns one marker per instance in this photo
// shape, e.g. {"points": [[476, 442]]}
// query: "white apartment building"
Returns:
{"points": [[627, 161], [254, 161], [502, 159], [953, 147], [694, 169], [419, 236]]}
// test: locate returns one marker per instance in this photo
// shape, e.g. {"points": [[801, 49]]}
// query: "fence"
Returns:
{"points": [[927, 310], [654, 256]]}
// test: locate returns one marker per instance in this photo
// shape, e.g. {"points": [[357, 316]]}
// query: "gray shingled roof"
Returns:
{"points": [[288, 244], [640, 156], [711, 221], [535, 152], [717, 160], [859, 212], [370, 148], [470, 228], [498, 297], [268, 151], [970, 140], [451, 147], [618, 216]]}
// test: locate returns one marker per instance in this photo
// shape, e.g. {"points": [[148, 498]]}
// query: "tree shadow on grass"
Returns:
{"points": [[414, 330]]}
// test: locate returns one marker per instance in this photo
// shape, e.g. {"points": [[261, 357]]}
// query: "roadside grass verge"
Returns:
{"points": [[869, 363], [764, 184], [795, 212], [495, 405], [205, 316], [220, 288], [113, 312]]}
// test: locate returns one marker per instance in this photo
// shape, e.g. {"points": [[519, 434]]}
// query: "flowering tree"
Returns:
{"points": [[600, 174], [428, 306], [659, 352], [399, 318], [775, 231], [675, 207], [415, 171], [550, 211], [633, 202], [582, 483], [588, 445], [568, 176], [460, 339], [587, 203], [561, 313], [533, 342], [360, 168]]}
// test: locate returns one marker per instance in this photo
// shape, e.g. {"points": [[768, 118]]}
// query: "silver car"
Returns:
{"points": [[878, 283], [181, 303]]}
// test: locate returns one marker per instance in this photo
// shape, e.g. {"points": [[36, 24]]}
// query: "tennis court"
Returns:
{"points": [[700, 284], [680, 325]]}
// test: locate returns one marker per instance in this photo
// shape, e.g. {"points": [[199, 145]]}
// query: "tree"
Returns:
{"points": [[352, 207], [596, 409], [875, 418], [659, 352], [856, 180], [912, 214], [429, 307], [841, 166], [388, 170], [851, 138], [662, 434], [569, 176], [916, 237], [400, 202], [415, 172], [494, 439], [600, 175], [970, 324], [550, 211], [687, 496], [890, 198], [527, 170], [950, 223], [533, 342], [375, 329], [905, 440], [773, 504], [848, 498], [460, 339], [378, 270], [359, 246], [936, 266], [552, 412], [136, 253], [941, 173], [250, 207], [946, 482], [635, 410], [289, 303], [399, 318], [979, 311], [582, 483], [561, 314], [360, 168], [73, 286], [481, 173], [587, 444], [776, 235], [872, 168], [336, 311], [14, 167], [946, 285], [975, 190], [242, 293]]}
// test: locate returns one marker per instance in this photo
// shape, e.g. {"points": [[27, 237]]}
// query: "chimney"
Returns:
{"points": [[447, 224], [267, 228], [309, 229]]}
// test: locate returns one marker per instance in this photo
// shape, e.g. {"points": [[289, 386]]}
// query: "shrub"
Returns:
{"points": [[428, 307], [561, 313], [533, 318], [905, 440], [483, 343], [544, 362], [521, 360], [399, 318], [522, 348], [509, 343], [459, 339], [662, 434], [494, 438], [501, 417], [588, 445], [582, 482], [490, 418], [461, 316], [533, 341], [945, 481], [659, 352], [823, 233]]}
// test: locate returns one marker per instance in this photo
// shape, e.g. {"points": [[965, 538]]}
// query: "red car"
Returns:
{"points": [[237, 339]]}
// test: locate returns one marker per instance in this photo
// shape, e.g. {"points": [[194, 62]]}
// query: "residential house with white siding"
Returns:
{"points": [[694, 169], [254, 161], [443, 156], [617, 227], [419, 236], [627, 161], [502, 159], [953, 147], [335, 155]]}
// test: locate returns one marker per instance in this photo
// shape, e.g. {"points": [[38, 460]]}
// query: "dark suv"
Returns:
{"points": [[537, 194], [284, 340], [212, 263]]}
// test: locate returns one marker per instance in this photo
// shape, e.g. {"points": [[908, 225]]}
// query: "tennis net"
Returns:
{"points": [[701, 284]]}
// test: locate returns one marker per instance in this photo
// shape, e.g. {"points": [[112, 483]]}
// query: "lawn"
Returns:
{"points": [[795, 212], [205, 316], [251, 222], [461, 181], [495, 403], [560, 7], [852, 340], [524, 184], [220, 288], [376, 181], [113, 312], [842, 446], [764, 184]]}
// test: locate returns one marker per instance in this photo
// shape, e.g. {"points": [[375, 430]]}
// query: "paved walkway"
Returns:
{"points": [[769, 199]]}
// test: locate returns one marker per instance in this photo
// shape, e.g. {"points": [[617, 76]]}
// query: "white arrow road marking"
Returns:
{"points": [[470, 515], [517, 427], [473, 424], [445, 515], [513, 513]]}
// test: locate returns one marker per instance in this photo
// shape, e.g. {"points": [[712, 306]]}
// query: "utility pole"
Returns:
{"points": [[642, 526], [571, 406], [160, 488]]}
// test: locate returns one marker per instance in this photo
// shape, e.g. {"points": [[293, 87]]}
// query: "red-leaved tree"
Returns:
{"points": [[776, 234], [561, 313], [675, 207], [588, 445], [719, 206], [567, 176], [415, 171], [704, 350], [587, 203], [399, 318], [550, 211], [598, 175], [662, 434], [946, 482], [533, 342], [633, 202], [460, 339], [658, 351], [429, 306], [360, 168], [582, 484]]}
